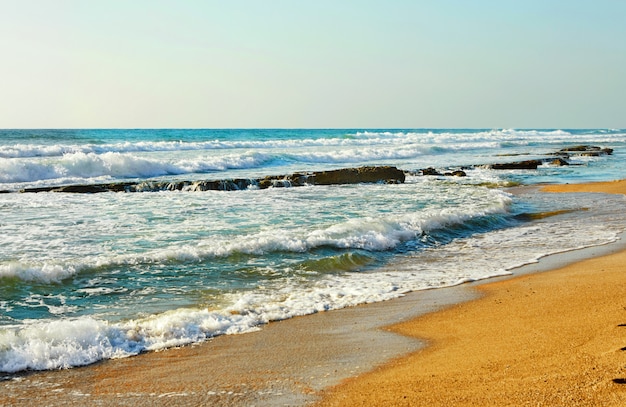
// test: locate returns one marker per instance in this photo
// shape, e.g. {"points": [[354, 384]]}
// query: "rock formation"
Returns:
{"points": [[385, 174]]}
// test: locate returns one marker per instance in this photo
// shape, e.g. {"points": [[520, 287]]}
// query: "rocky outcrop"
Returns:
{"points": [[390, 175], [563, 154], [385, 174], [585, 150], [560, 160], [434, 172]]}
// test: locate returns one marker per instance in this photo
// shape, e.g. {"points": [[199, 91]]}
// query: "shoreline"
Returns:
{"points": [[306, 354], [553, 338], [287, 362], [550, 338]]}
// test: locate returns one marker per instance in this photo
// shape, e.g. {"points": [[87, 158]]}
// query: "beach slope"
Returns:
{"points": [[546, 339]]}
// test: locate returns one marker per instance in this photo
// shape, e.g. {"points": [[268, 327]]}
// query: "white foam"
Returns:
{"points": [[375, 233], [76, 342], [77, 167], [59, 344], [45, 273], [362, 138]]}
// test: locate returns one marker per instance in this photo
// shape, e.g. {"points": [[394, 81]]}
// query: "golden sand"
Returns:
{"points": [[548, 339], [611, 187]]}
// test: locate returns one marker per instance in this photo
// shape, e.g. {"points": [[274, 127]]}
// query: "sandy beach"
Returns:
{"points": [[547, 339], [553, 338]]}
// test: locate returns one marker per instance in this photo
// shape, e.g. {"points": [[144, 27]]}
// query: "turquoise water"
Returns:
{"points": [[90, 276]]}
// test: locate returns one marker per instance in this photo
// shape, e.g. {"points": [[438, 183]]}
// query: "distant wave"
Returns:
{"points": [[30, 150], [495, 137], [365, 138]]}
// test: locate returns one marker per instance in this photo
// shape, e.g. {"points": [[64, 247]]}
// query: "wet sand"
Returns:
{"points": [[539, 339], [285, 363]]}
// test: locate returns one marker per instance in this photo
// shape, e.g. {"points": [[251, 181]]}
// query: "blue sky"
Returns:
{"points": [[311, 64]]}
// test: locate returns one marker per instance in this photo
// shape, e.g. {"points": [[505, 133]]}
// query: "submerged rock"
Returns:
{"points": [[84, 189], [585, 150], [430, 171], [457, 173], [519, 165]]}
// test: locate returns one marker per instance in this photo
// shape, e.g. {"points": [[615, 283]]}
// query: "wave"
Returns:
{"points": [[364, 138], [65, 343], [497, 137], [60, 163], [86, 166], [33, 150], [369, 234], [78, 342], [77, 166]]}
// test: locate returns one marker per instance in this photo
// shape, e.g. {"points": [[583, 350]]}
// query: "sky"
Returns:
{"points": [[312, 64]]}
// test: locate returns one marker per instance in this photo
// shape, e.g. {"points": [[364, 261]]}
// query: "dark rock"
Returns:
{"points": [[358, 175], [83, 189], [430, 171], [388, 174], [580, 148], [199, 186], [36, 190], [343, 176], [592, 151], [294, 180], [519, 165], [561, 154], [457, 173], [265, 183], [298, 180], [596, 153]]}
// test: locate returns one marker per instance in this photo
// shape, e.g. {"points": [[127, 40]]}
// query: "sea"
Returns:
{"points": [[87, 277]]}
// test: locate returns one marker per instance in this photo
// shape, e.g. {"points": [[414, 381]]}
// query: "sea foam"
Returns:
{"points": [[367, 233], [77, 342]]}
